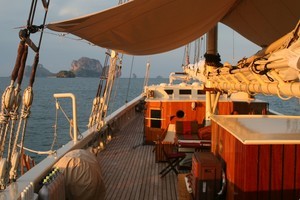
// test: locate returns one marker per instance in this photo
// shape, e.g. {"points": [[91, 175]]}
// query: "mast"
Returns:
{"points": [[212, 41], [211, 48]]}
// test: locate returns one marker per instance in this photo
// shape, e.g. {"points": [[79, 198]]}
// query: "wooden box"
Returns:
{"points": [[261, 155], [206, 171]]}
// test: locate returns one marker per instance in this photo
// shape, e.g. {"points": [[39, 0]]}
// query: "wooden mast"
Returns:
{"points": [[211, 48]]}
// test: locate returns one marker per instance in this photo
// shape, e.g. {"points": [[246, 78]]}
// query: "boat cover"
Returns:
{"points": [[83, 177], [143, 27]]}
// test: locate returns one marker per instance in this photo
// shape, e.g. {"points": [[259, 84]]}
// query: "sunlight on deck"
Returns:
{"points": [[130, 170]]}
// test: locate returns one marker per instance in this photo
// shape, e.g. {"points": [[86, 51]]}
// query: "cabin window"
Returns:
{"points": [[201, 92], [185, 91], [180, 114], [169, 92], [155, 118]]}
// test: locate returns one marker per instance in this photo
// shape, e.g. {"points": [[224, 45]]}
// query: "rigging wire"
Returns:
{"points": [[55, 126], [233, 45], [65, 36], [185, 59], [146, 79], [204, 45], [132, 61], [197, 50], [198, 46]]}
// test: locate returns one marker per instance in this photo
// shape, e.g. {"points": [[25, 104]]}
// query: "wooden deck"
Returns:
{"points": [[130, 170]]}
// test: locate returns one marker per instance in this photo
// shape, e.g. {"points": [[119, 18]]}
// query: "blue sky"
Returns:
{"points": [[57, 53]]}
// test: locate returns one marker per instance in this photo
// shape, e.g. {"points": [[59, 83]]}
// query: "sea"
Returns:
{"points": [[47, 124]]}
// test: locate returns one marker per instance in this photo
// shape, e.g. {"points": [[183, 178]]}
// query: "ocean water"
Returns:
{"points": [[40, 126]]}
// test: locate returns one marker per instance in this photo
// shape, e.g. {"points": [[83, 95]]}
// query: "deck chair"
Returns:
{"points": [[173, 159]]}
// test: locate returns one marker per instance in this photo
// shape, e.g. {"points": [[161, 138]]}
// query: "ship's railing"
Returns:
{"points": [[74, 109], [33, 177]]}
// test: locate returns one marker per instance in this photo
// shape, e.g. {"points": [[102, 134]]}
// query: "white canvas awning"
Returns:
{"points": [[143, 27]]}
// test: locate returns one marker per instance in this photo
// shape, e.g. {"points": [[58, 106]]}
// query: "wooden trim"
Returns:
{"points": [[264, 172], [289, 171], [257, 171]]}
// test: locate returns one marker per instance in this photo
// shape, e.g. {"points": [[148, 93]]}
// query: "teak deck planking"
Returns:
{"points": [[129, 168]]}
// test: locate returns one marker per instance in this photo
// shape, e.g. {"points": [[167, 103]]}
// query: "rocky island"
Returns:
{"points": [[83, 67], [86, 67], [41, 71]]}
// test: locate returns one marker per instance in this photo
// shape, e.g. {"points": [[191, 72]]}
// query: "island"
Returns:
{"points": [[83, 67], [86, 67], [65, 74], [41, 71]]}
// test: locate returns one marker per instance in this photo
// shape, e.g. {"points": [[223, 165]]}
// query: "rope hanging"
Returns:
{"points": [[39, 152]]}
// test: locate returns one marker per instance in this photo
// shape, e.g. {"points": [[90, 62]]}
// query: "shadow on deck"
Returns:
{"points": [[130, 170]]}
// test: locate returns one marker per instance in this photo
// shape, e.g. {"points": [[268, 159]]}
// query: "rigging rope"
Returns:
{"points": [[39, 152], [108, 88], [11, 98], [117, 85], [68, 119], [98, 100]]}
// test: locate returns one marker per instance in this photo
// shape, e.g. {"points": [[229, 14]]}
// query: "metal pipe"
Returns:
{"points": [[207, 105], [216, 103], [72, 96]]}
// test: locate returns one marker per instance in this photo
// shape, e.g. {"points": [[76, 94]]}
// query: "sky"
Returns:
{"points": [[57, 53]]}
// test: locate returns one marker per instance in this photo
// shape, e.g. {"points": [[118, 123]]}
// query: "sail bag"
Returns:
{"points": [[83, 177]]}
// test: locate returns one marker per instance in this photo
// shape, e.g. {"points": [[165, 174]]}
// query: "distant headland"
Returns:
{"points": [[83, 67]]}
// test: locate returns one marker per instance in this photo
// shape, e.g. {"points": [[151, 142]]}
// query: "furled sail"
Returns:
{"points": [[143, 27]]}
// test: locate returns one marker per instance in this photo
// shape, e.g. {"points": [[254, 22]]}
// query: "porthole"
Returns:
{"points": [[179, 114]]}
